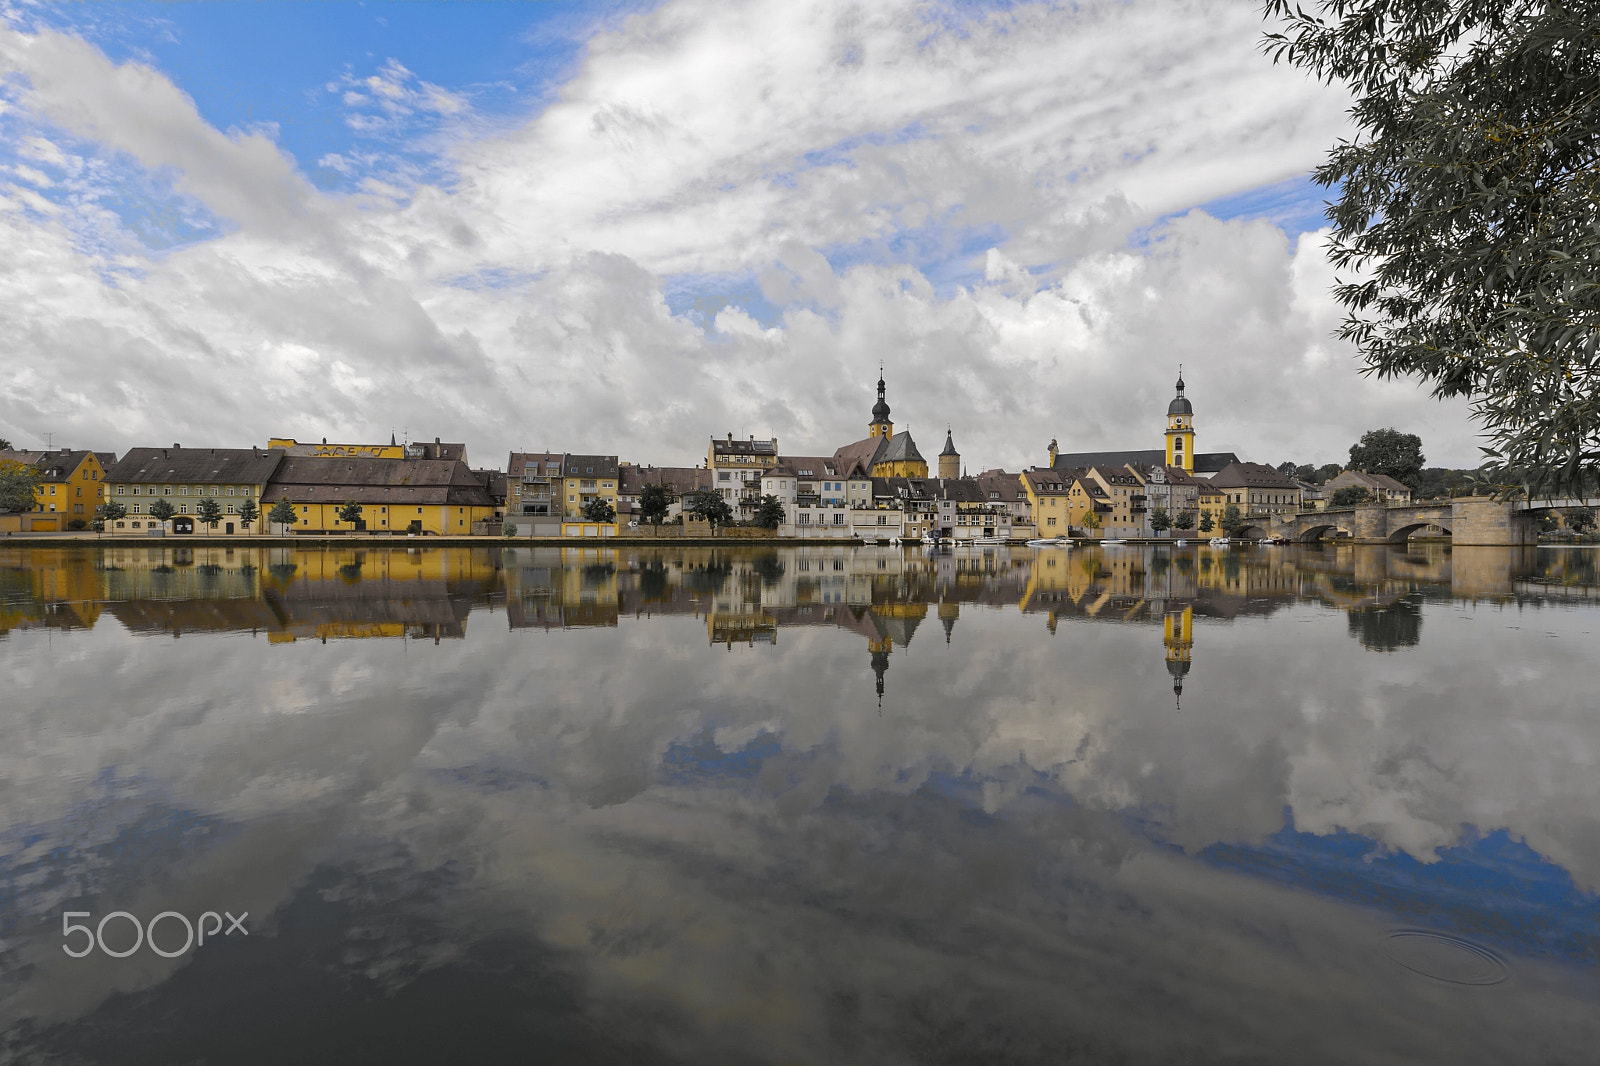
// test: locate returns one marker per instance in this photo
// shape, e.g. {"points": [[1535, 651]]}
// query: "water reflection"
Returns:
{"points": [[804, 805]]}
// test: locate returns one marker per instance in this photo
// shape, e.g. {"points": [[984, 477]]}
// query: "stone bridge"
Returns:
{"points": [[1468, 520]]}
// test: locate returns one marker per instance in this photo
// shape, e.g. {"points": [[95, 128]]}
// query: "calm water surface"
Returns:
{"points": [[806, 806]]}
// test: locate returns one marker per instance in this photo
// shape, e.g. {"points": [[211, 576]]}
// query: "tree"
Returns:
{"points": [[350, 512], [1581, 519], [769, 512], [5, 445], [282, 513], [1388, 451], [111, 511], [17, 482], [1206, 524], [1160, 520], [599, 509], [248, 513], [654, 501], [1350, 496], [161, 510], [209, 512], [1232, 519], [1184, 520], [1466, 201], [1327, 473], [1288, 469], [1091, 520], [710, 506]]}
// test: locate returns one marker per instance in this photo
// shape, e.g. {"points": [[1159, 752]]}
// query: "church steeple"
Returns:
{"points": [[880, 426], [1180, 429]]}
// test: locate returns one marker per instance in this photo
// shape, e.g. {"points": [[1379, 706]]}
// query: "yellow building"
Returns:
{"points": [[182, 477], [1049, 501], [68, 490], [420, 496], [1212, 500], [586, 478]]}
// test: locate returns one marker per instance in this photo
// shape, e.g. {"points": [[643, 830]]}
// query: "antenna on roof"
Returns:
{"points": [[47, 444]]}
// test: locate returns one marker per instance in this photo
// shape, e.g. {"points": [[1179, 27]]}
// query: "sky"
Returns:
{"points": [[623, 228]]}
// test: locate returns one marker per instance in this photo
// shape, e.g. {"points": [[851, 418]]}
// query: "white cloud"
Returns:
{"points": [[522, 302]]}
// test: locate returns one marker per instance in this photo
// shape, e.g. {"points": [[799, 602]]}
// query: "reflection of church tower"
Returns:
{"points": [[948, 612], [949, 459], [1178, 636], [1180, 430], [880, 426], [880, 664]]}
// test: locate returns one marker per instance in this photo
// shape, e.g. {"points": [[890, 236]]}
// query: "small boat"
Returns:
{"points": [[1050, 542], [1113, 540], [1219, 542], [1180, 543]]}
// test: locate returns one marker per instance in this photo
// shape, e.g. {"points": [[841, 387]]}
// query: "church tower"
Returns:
{"points": [[880, 426], [1180, 430], [949, 459]]}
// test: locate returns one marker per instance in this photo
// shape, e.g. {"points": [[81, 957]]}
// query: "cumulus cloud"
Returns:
{"points": [[950, 195]]}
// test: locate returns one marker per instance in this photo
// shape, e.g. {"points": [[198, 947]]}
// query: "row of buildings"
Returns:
{"points": [[878, 488]]}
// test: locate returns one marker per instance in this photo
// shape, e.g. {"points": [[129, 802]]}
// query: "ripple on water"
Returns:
{"points": [[1446, 958]]}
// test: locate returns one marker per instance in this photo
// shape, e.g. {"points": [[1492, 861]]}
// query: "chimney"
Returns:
{"points": [[175, 444]]}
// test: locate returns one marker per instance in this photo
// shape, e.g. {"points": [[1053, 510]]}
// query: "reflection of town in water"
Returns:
{"points": [[887, 596]]}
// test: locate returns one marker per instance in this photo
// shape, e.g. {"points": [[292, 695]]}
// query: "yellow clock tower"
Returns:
{"points": [[1180, 430]]}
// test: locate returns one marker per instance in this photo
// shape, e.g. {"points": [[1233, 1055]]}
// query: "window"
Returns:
{"points": [[419, 510], [121, 489], [166, 490], [805, 518], [230, 490], [183, 508], [838, 519], [135, 508], [183, 490], [723, 475], [244, 490]]}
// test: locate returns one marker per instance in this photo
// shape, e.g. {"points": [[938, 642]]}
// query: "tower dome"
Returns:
{"points": [[1180, 405], [880, 410]]}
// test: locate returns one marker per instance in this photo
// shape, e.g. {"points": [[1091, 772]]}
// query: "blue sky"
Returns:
{"points": [[627, 200]]}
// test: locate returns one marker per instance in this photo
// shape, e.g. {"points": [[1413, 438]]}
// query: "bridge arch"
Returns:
{"points": [[1311, 532], [1403, 533], [1251, 531]]}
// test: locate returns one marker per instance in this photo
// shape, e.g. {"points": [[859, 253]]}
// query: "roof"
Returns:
{"points": [[1116, 475], [60, 464], [949, 444], [590, 465], [862, 453], [493, 481], [681, 480], [518, 463], [1204, 462], [307, 479], [809, 466], [1048, 481], [238, 466], [21, 455], [900, 449], [1375, 481], [743, 447], [1253, 476], [436, 450], [1009, 486]]}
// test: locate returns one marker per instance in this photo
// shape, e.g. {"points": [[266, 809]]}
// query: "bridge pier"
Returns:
{"points": [[1486, 521]]}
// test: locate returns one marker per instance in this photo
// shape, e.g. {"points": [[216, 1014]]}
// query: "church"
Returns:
{"points": [[885, 453], [1179, 451]]}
